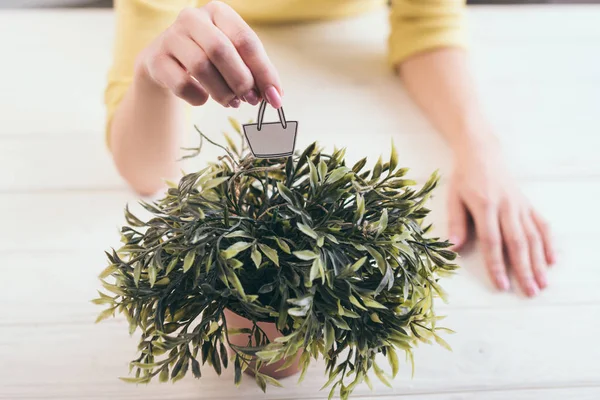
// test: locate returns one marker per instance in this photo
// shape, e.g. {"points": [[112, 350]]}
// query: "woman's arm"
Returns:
{"points": [[440, 83], [203, 52]]}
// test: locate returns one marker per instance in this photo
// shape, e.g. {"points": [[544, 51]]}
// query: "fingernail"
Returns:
{"points": [[235, 103], [251, 97], [543, 281], [532, 289], [273, 97], [503, 282]]}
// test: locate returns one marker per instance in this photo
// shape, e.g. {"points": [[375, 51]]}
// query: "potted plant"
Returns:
{"points": [[261, 262]]}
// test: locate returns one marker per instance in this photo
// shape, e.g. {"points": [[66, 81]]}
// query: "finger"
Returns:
{"points": [[536, 250], [457, 220], [222, 54], [546, 233], [513, 236], [197, 64], [251, 49], [169, 73], [488, 232]]}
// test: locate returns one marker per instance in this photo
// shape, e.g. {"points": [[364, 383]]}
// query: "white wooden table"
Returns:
{"points": [[539, 72]]}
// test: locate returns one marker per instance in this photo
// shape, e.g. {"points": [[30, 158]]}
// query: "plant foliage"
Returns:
{"points": [[335, 255]]}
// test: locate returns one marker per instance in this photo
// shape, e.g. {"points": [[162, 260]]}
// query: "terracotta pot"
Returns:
{"points": [[236, 321]]}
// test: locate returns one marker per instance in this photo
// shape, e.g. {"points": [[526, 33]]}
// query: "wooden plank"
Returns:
{"points": [[349, 65], [520, 348], [55, 287], [84, 162], [89, 220]]}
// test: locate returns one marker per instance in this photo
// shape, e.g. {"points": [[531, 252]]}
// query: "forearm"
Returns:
{"points": [[146, 135], [439, 81]]}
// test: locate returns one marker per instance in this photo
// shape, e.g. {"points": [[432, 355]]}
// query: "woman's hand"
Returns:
{"points": [[505, 222], [211, 51]]}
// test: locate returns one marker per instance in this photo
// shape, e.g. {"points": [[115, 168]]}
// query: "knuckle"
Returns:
{"points": [[544, 225], [182, 86], [486, 203], [533, 238], [243, 85], [491, 241], [495, 266], [200, 67], [218, 52], [187, 15], [215, 6], [517, 244], [245, 41]]}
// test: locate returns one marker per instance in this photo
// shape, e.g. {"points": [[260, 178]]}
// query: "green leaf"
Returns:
{"points": [[270, 253], [235, 249], [314, 270], [260, 380], [171, 265], [329, 335], [307, 230], [317, 269], [234, 263], [322, 170], [381, 263], [152, 275], [235, 282], [306, 255], [393, 360], [359, 165], [137, 271], [105, 314], [164, 374], [286, 193], [356, 303], [379, 373], [393, 158], [375, 318], [272, 381], [377, 169], [230, 143], [314, 176], [282, 244], [360, 208], [373, 303], [337, 174], [383, 222], [267, 288], [256, 257], [213, 183], [238, 233], [142, 379], [237, 379], [442, 342], [188, 260], [235, 125], [106, 272]]}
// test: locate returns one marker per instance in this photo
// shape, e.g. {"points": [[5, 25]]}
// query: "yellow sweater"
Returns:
{"points": [[416, 25]]}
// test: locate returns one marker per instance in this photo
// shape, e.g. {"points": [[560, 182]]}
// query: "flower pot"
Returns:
{"points": [[271, 139], [236, 321]]}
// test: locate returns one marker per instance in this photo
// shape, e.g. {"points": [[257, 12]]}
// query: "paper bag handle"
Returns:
{"points": [[261, 115]]}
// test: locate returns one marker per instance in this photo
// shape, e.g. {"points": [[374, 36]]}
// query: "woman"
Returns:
{"points": [[172, 50]]}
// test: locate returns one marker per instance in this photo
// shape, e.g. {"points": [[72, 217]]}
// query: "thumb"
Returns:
{"points": [[457, 221]]}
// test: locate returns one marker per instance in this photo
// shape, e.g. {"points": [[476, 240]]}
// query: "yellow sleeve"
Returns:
{"points": [[138, 22], [420, 25]]}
